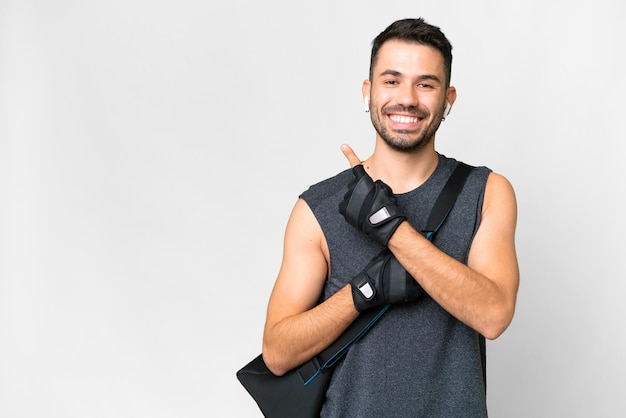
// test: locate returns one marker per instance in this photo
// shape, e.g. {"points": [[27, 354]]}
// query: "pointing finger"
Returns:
{"points": [[350, 155]]}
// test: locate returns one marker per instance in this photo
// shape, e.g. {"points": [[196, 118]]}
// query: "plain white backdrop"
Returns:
{"points": [[151, 151]]}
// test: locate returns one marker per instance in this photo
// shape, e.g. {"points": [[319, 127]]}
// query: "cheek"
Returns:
{"points": [[382, 99]]}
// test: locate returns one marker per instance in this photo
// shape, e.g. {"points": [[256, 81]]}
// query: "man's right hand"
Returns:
{"points": [[383, 281], [371, 206]]}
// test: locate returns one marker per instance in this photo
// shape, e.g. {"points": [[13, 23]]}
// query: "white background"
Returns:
{"points": [[151, 151]]}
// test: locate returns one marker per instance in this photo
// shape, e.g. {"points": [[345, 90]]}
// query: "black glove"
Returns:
{"points": [[383, 281], [371, 206]]}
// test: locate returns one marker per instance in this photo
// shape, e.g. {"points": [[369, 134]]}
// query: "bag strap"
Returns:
{"points": [[446, 199], [329, 357]]}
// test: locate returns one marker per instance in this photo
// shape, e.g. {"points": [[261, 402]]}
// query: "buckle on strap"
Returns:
{"points": [[379, 216], [309, 370]]}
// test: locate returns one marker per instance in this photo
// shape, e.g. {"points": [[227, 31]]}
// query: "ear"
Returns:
{"points": [[365, 89], [451, 95]]}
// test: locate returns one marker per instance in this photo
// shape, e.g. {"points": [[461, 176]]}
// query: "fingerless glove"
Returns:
{"points": [[383, 281], [371, 206]]}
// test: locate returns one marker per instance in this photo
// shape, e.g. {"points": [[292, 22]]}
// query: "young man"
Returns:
{"points": [[426, 356]]}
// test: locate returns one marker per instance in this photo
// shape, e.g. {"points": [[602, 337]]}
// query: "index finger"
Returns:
{"points": [[350, 155]]}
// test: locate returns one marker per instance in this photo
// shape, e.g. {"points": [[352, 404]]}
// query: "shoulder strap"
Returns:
{"points": [[327, 358], [446, 199]]}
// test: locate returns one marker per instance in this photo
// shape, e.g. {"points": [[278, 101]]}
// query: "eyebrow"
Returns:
{"points": [[391, 72], [422, 77]]}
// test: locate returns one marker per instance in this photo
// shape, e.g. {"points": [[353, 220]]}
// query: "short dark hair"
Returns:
{"points": [[416, 31]]}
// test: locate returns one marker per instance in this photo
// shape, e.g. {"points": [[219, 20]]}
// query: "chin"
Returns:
{"points": [[403, 145]]}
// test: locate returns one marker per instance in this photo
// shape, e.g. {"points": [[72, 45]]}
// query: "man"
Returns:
{"points": [[425, 357]]}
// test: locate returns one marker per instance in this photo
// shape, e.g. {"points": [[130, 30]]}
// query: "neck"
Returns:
{"points": [[402, 171]]}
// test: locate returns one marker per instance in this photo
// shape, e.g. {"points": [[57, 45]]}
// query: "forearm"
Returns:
{"points": [[471, 297], [295, 339]]}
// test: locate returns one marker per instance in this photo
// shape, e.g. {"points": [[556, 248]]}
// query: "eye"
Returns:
{"points": [[425, 86], [391, 82]]}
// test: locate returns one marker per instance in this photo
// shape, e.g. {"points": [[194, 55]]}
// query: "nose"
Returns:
{"points": [[408, 96]]}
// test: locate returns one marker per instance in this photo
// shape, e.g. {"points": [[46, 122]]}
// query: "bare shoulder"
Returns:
{"points": [[498, 179], [499, 196], [302, 223]]}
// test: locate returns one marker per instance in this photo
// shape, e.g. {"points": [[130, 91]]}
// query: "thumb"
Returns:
{"points": [[350, 155]]}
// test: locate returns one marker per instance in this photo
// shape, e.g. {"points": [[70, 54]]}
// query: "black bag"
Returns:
{"points": [[301, 392], [284, 396]]}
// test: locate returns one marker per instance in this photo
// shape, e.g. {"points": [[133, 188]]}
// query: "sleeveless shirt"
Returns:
{"points": [[418, 360]]}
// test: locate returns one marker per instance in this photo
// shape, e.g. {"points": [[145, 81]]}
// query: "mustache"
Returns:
{"points": [[412, 110]]}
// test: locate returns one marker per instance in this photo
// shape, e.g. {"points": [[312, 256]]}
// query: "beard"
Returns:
{"points": [[405, 140]]}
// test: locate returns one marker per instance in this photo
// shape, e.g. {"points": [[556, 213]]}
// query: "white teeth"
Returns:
{"points": [[403, 119]]}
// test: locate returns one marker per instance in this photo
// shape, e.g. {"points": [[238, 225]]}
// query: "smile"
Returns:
{"points": [[404, 119]]}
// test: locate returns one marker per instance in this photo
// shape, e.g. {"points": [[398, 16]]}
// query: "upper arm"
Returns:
{"points": [[493, 249], [304, 267]]}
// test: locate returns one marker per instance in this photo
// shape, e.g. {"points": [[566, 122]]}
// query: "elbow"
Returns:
{"points": [[272, 361], [274, 366], [498, 323], [493, 332]]}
